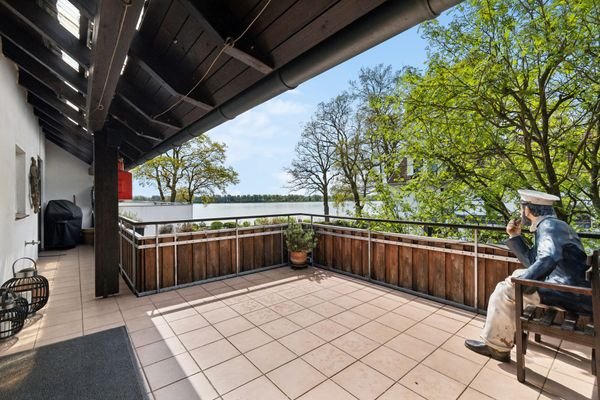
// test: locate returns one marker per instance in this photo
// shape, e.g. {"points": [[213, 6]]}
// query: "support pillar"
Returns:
{"points": [[106, 212]]}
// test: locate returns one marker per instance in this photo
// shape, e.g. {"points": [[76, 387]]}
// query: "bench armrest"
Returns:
{"points": [[553, 286]]}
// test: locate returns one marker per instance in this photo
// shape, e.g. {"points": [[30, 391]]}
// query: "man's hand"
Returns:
{"points": [[513, 228]]}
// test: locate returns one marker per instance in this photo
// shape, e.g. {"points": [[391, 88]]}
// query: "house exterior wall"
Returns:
{"points": [[18, 128], [68, 177]]}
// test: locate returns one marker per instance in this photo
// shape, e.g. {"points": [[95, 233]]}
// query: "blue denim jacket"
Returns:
{"points": [[557, 256]]}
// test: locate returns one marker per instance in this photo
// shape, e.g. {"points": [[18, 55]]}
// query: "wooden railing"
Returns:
{"points": [[459, 272]]}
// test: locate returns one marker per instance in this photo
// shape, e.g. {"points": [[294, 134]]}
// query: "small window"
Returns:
{"points": [[20, 183]]}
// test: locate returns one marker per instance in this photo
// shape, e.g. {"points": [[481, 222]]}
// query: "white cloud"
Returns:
{"points": [[279, 106]]}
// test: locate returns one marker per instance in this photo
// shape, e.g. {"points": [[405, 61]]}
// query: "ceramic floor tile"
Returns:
{"points": [[327, 390], [193, 387], [328, 359], [214, 353], [270, 356], [470, 394], [444, 323], [410, 311], [200, 337], [377, 332], [188, 324], [363, 381], [220, 314], [429, 334], [431, 384], [389, 362], [398, 392], [232, 374], [411, 347], [250, 339], [503, 387], [296, 378], [327, 309], [453, 366], [355, 344], [327, 330], [172, 369], [301, 342], [159, 351], [305, 317], [232, 326], [350, 319], [262, 316], [286, 308], [369, 311], [280, 327], [260, 388]]}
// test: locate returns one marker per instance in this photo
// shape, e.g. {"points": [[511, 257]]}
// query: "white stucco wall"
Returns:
{"points": [[67, 176], [18, 127]]}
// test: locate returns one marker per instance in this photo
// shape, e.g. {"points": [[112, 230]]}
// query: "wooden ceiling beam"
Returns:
{"points": [[87, 8], [114, 29], [30, 66], [69, 148], [131, 136], [48, 27], [34, 47], [49, 97], [166, 75], [74, 140], [126, 115], [221, 25], [50, 113], [145, 106], [75, 132]]}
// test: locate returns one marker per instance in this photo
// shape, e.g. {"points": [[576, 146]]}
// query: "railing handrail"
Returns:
{"points": [[587, 235]]}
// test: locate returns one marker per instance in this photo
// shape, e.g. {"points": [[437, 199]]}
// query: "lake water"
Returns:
{"points": [[216, 210]]}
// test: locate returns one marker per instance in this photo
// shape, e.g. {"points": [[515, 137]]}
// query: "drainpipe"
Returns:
{"points": [[384, 22]]}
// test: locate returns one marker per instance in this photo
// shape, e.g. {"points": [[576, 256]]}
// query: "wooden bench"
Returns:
{"points": [[558, 323]]}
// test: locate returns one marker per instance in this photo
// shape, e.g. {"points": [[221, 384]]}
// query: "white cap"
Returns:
{"points": [[539, 198]]}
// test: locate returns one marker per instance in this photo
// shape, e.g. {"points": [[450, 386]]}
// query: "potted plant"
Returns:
{"points": [[299, 242]]}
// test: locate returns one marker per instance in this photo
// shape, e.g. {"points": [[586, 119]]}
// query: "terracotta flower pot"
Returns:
{"points": [[298, 257]]}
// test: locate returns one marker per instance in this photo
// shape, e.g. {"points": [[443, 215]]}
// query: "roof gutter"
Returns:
{"points": [[384, 22]]}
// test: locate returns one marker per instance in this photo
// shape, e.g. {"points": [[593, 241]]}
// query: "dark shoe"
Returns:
{"points": [[481, 348]]}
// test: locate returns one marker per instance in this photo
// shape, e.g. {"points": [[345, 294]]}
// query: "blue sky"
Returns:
{"points": [[260, 142]]}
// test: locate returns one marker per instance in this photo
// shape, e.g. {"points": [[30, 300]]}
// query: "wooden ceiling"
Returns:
{"points": [[187, 58]]}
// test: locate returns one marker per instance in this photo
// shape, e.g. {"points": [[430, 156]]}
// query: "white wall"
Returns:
{"points": [[67, 176], [156, 212], [18, 127]]}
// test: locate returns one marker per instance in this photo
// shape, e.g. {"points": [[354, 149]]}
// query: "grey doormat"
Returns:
{"points": [[97, 366]]}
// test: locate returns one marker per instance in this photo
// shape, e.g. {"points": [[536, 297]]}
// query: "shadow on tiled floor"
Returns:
{"points": [[285, 334]]}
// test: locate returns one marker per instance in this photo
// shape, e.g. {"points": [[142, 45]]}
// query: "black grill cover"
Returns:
{"points": [[62, 225]]}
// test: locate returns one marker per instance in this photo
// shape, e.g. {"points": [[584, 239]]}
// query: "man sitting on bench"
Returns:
{"points": [[557, 256]]}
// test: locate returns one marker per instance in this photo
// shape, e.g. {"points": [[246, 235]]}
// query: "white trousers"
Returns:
{"points": [[499, 329]]}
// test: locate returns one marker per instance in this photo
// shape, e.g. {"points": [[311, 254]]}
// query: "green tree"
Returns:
{"points": [[196, 168], [509, 99]]}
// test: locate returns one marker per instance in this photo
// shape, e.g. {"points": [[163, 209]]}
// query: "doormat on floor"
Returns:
{"points": [[96, 366]]}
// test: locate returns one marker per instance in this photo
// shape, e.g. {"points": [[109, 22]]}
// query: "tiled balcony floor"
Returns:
{"points": [[284, 334]]}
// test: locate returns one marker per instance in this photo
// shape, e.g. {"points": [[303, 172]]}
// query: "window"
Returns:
{"points": [[20, 183]]}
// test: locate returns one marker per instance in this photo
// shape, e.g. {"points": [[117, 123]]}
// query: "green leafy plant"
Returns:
{"points": [[229, 225], [299, 238], [216, 225], [164, 229]]}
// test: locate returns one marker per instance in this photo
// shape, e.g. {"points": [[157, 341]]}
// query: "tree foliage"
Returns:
{"points": [[194, 169], [509, 99]]}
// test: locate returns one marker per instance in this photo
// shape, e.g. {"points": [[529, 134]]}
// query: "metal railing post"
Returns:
{"points": [[237, 248], [133, 258], [156, 256], [369, 251], [120, 245], [476, 264], [175, 255]]}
